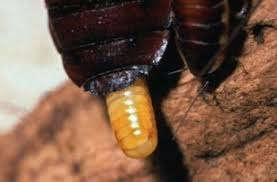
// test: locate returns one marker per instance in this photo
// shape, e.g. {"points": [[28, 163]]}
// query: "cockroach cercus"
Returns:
{"points": [[110, 46]]}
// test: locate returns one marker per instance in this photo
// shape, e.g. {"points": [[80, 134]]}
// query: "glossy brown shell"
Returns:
{"points": [[96, 37], [107, 44], [203, 28]]}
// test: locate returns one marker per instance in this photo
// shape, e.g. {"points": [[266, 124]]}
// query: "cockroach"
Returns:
{"points": [[109, 47]]}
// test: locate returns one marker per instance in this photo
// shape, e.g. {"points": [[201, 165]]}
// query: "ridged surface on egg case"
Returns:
{"points": [[133, 120]]}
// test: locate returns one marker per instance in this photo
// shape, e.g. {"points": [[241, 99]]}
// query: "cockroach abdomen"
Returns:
{"points": [[108, 46], [135, 53], [201, 27], [205, 29], [98, 38]]}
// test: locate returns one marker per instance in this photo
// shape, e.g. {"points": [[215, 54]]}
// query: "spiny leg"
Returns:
{"points": [[242, 16], [178, 71], [180, 124]]}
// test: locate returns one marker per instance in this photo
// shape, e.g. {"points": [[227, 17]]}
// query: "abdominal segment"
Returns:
{"points": [[201, 28], [98, 36]]}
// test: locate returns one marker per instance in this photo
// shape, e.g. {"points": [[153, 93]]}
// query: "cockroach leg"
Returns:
{"points": [[200, 91], [178, 71]]}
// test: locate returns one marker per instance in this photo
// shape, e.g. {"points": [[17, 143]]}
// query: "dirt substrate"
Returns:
{"points": [[67, 137]]}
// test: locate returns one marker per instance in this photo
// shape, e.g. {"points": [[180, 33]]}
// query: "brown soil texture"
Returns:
{"points": [[67, 137]]}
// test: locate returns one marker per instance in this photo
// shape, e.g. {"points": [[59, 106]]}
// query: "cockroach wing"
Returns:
{"points": [[124, 37]]}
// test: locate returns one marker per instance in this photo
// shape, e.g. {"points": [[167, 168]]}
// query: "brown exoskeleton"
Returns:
{"points": [[110, 46]]}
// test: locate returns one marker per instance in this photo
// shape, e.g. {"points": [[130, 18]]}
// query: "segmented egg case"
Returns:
{"points": [[99, 37], [133, 120]]}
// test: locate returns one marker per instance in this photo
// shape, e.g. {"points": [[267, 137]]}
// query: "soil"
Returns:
{"points": [[67, 137]]}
